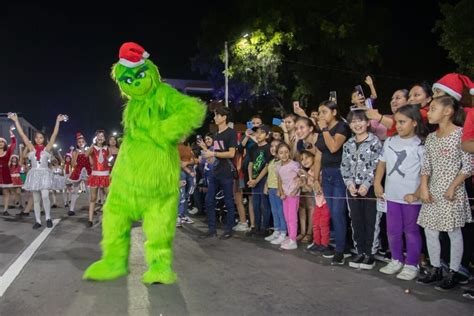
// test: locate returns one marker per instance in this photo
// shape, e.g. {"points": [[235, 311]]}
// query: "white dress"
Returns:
{"points": [[39, 177], [59, 181]]}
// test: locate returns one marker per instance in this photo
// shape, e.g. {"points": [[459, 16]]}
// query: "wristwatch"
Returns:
{"points": [[324, 129]]}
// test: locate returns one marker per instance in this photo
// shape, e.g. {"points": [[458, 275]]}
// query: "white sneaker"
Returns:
{"points": [[187, 220], [279, 240], [179, 222], [273, 236], [408, 273], [193, 211], [241, 227], [290, 245], [393, 267]]}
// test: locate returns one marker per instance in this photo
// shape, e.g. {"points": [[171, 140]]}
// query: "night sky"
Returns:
{"points": [[57, 59]]}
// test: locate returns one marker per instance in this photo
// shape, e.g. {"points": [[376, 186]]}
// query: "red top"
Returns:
{"points": [[5, 177], [99, 159], [82, 162], [468, 131]]}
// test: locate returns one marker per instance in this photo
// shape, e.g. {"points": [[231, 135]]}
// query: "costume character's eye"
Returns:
{"points": [[129, 80], [141, 74]]}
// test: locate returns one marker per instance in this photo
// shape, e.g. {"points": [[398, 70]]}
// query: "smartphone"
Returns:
{"points": [[333, 96], [277, 121], [198, 138], [359, 89], [249, 125]]}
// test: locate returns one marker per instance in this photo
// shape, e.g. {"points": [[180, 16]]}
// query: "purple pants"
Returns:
{"points": [[401, 219]]}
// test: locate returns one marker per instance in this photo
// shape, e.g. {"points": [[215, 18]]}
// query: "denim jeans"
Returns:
{"points": [[185, 193], [227, 185], [261, 200], [277, 210], [335, 192]]}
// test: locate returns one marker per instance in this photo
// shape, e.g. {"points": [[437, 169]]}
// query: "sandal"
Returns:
{"points": [[307, 239], [299, 237]]}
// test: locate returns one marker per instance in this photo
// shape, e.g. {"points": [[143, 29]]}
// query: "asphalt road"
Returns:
{"points": [[239, 276]]}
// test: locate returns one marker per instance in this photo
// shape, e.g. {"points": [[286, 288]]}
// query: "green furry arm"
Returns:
{"points": [[184, 115]]}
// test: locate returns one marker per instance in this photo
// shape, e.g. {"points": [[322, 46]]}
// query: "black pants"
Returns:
{"points": [[365, 221]]}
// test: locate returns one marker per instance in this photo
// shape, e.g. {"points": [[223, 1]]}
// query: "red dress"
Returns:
{"points": [[15, 175], [82, 169], [100, 177], [5, 177]]}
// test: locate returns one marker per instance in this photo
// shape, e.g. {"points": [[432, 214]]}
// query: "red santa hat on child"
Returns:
{"points": [[79, 136], [3, 140], [453, 84], [132, 55]]}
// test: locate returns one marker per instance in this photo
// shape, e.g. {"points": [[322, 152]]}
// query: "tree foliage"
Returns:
{"points": [[457, 29]]}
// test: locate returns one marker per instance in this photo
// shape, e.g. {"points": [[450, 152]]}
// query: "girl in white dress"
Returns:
{"points": [[39, 178]]}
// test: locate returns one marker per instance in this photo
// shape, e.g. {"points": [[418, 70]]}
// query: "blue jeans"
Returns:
{"points": [[184, 193], [227, 185], [261, 200], [335, 192], [277, 211]]}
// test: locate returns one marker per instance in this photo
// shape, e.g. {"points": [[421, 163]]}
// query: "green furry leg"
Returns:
{"points": [[159, 224], [115, 245], [104, 270]]}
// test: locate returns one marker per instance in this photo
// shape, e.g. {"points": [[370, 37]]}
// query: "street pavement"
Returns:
{"points": [[239, 276]]}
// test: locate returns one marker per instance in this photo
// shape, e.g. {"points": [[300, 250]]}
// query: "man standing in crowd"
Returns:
{"points": [[225, 143]]}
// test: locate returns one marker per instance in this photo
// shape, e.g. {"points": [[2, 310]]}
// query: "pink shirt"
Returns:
{"points": [[288, 174]]}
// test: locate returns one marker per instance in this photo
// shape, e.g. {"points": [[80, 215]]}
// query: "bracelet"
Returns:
{"points": [[381, 118]]}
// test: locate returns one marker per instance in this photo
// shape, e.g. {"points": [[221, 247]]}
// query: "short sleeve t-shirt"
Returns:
{"points": [[328, 159], [260, 156], [222, 142], [468, 130], [289, 177], [403, 158]]}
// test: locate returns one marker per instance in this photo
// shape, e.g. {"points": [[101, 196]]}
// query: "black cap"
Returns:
{"points": [[264, 128]]}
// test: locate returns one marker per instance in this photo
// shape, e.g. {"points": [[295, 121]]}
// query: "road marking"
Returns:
{"points": [[15, 268], [138, 300]]}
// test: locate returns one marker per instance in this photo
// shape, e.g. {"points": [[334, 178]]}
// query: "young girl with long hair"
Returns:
{"points": [[39, 178], [401, 158], [100, 175], [59, 182], [17, 182], [445, 203], [80, 172]]}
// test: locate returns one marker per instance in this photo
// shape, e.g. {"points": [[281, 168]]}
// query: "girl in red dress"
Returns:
{"points": [[5, 178], [81, 169], [100, 177], [17, 183]]}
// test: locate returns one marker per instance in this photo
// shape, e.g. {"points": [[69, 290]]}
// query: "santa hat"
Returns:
{"points": [[79, 136], [14, 156], [132, 55], [3, 140], [453, 84]]}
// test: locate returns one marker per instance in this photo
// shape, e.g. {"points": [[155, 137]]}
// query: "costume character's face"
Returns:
{"points": [[136, 82]]}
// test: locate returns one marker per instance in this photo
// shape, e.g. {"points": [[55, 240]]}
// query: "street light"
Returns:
{"points": [[114, 133], [226, 61]]}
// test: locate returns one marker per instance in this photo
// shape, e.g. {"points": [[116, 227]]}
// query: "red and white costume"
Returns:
{"points": [[82, 170], [5, 177], [100, 177], [15, 174]]}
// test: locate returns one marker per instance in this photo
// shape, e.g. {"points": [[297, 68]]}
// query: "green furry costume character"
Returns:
{"points": [[145, 178]]}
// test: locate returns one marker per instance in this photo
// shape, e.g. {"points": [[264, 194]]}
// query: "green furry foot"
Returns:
{"points": [[159, 274], [105, 270]]}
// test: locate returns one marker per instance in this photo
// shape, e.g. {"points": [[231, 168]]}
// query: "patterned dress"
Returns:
{"points": [[443, 162]]}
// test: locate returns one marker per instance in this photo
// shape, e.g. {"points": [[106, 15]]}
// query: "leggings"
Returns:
{"points": [[290, 211], [37, 196], [434, 248]]}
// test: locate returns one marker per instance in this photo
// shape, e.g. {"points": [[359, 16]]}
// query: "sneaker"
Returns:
{"points": [[279, 240], [71, 213], [187, 220], [6, 213], [193, 211], [450, 281], [251, 232], [338, 259], [408, 273], [36, 225], [463, 275], [432, 275], [241, 227], [290, 245], [313, 249], [368, 263], [273, 236], [90, 224], [208, 235], [179, 222], [49, 223], [329, 253], [469, 293], [392, 267], [54, 206], [310, 246], [226, 235], [355, 263]]}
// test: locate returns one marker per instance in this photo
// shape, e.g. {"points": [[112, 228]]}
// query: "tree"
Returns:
{"points": [[455, 27]]}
